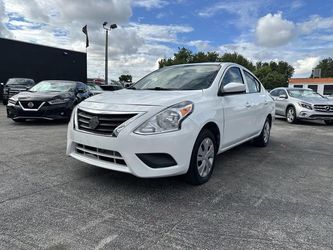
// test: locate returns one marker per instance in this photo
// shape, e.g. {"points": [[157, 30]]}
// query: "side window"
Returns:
{"points": [[232, 75], [275, 92], [283, 92], [252, 84]]}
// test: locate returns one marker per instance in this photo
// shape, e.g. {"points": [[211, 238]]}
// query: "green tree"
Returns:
{"points": [[237, 58], [326, 66], [125, 78]]}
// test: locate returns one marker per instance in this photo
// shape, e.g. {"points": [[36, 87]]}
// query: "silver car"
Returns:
{"points": [[302, 104]]}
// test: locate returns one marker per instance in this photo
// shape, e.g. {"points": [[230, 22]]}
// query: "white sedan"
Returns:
{"points": [[173, 121]]}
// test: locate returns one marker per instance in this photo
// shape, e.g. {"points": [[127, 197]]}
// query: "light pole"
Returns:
{"points": [[112, 26]]}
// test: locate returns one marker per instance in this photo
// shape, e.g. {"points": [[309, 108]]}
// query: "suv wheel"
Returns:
{"points": [[5, 102], [202, 159], [329, 122], [291, 115], [263, 139]]}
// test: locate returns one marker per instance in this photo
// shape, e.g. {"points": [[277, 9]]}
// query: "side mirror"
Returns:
{"points": [[80, 91], [233, 88], [283, 96]]}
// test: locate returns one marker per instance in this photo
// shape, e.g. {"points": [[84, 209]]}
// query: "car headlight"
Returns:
{"points": [[12, 101], [58, 101], [167, 120], [305, 105]]}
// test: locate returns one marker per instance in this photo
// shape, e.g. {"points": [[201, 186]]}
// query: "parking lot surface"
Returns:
{"points": [[258, 198]]}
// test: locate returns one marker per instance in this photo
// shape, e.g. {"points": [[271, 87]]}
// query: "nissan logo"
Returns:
{"points": [[94, 122], [30, 104]]}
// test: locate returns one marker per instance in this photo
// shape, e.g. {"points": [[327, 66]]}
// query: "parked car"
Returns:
{"points": [[111, 87], [94, 88], [50, 100], [302, 104], [14, 86], [174, 121]]}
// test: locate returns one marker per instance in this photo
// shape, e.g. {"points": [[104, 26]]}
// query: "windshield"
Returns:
{"points": [[187, 77], [16, 81], [49, 86], [302, 93]]}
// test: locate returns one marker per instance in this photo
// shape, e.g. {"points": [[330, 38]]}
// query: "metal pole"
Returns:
{"points": [[106, 55]]}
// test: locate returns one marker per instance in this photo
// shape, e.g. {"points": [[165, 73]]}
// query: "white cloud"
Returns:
{"points": [[200, 45], [273, 30], [315, 23], [149, 4], [305, 66]]}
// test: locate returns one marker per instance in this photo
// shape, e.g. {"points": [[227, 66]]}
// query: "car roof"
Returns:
{"points": [[55, 81], [287, 88]]}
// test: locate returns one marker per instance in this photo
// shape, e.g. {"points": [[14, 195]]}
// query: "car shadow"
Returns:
{"points": [[303, 122], [36, 122]]}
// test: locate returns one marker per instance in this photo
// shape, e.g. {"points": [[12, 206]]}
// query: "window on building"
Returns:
{"points": [[328, 90], [298, 86], [313, 87]]}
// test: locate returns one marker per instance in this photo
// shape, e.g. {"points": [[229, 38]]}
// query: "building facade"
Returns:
{"points": [[323, 86]]}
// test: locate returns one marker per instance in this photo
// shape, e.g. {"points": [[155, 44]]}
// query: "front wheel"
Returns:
{"points": [[4, 102], [263, 139], [329, 122], [291, 115], [202, 158]]}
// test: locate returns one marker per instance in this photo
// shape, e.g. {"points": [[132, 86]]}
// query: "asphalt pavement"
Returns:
{"points": [[278, 197]]}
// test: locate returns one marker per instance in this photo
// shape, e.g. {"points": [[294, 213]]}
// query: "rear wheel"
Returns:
{"points": [[329, 122], [263, 139], [291, 115], [202, 159]]}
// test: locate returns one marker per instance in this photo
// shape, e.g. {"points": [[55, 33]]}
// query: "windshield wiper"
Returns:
{"points": [[159, 88]]}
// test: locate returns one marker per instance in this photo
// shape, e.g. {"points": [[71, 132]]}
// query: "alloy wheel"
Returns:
{"points": [[291, 115]]}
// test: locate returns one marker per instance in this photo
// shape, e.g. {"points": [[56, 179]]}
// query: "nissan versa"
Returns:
{"points": [[173, 121], [49, 100]]}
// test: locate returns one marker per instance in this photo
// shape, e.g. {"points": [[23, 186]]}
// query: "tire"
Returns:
{"points": [[4, 102], [263, 139], [200, 170], [19, 120], [291, 115], [329, 122]]}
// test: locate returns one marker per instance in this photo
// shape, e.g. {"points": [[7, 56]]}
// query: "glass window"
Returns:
{"points": [[252, 84], [53, 86], [328, 90], [232, 75], [313, 87], [275, 92], [302, 93], [298, 86]]}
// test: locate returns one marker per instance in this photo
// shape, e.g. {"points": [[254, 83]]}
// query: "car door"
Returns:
{"points": [[258, 110], [236, 110], [281, 103]]}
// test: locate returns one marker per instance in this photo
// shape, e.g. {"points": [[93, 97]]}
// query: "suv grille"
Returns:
{"points": [[36, 104], [100, 154], [323, 108], [101, 123]]}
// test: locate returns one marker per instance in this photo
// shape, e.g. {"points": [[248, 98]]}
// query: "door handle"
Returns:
{"points": [[248, 105], [266, 102]]}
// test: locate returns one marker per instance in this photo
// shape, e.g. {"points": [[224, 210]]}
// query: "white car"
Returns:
{"points": [[173, 121]]}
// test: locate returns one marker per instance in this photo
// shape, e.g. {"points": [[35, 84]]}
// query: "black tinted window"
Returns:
{"points": [[252, 83], [313, 87], [328, 90], [232, 75]]}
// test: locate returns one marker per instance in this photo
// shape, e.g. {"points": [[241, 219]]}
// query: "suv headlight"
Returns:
{"points": [[305, 105], [167, 120], [58, 101], [12, 101]]}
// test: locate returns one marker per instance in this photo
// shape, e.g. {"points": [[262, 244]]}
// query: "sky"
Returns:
{"points": [[297, 31]]}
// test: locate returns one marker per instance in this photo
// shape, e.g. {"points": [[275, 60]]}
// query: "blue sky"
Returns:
{"points": [[297, 31]]}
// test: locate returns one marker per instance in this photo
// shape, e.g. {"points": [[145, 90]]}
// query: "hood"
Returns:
{"points": [[17, 86], [145, 97], [316, 100], [40, 96]]}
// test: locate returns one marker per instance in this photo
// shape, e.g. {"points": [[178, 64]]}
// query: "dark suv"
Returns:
{"points": [[14, 86]]}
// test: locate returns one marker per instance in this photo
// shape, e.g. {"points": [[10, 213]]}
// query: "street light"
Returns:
{"points": [[112, 26]]}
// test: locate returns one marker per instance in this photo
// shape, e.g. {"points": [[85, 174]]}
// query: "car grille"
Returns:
{"points": [[101, 123], [36, 104], [323, 108], [100, 154]]}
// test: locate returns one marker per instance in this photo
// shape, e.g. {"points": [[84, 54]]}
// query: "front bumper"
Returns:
{"points": [[306, 114], [127, 147], [46, 112]]}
